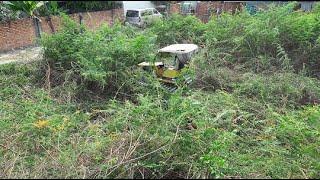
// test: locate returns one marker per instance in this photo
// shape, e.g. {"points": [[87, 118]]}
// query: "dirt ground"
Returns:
{"points": [[21, 56]]}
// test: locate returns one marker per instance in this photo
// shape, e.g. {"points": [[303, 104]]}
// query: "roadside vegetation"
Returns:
{"points": [[252, 110]]}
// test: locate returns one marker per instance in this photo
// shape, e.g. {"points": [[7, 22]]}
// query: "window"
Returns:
{"points": [[131, 13], [146, 13]]}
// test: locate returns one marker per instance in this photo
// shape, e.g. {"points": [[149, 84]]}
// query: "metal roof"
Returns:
{"points": [[179, 48]]}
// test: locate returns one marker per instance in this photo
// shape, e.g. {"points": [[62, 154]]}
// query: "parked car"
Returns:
{"points": [[141, 17]]}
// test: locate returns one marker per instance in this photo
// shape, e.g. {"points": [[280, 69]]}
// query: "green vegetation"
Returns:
{"points": [[6, 14], [27, 7], [179, 29], [85, 6], [252, 112]]}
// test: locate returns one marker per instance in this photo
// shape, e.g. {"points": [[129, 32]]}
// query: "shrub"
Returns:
{"points": [[178, 29], [103, 57], [277, 38]]}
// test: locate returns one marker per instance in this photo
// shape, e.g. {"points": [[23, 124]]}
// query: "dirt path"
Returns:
{"points": [[21, 56]]}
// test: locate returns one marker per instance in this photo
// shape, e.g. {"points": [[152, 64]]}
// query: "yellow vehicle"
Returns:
{"points": [[168, 72]]}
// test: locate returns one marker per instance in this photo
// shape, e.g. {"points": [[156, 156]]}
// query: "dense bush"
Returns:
{"points": [[178, 29], [103, 56], [278, 37]]}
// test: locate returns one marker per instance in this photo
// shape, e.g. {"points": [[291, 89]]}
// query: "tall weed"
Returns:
{"points": [[103, 57]]}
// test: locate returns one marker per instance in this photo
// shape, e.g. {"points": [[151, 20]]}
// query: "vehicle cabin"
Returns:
{"points": [[141, 17]]}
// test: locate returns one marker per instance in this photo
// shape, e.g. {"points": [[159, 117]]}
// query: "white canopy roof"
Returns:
{"points": [[179, 48], [149, 64]]}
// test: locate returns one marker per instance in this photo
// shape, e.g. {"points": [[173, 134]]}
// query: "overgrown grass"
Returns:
{"points": [[279, 38], [251, 113], [100, 60]]}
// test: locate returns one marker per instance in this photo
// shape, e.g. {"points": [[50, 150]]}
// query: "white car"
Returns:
{"points": [[142, 17]]}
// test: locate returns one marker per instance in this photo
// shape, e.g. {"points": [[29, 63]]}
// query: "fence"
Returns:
{"points": [[23, 32]]}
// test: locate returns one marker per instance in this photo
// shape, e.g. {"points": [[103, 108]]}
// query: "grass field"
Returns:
{"points": [[252, 110]]}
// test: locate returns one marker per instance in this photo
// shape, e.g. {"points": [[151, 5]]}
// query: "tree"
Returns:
{"points": [[28, 7], [6, 14]]}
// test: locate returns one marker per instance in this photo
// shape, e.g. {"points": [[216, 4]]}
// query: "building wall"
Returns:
{"points": [[56, 21], [207, 8], [17, 33], [21, 33], [204, 9], [174, 8]]}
